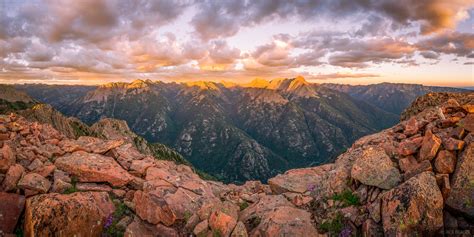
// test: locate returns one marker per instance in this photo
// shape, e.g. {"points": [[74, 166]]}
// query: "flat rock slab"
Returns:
{"points": [[374, 168], [286, 221], [298, 180], [264, 205], [35, 182], [97, 168]]}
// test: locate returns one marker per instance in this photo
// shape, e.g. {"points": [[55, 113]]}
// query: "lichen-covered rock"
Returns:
{"points": [[84, 187], [79, 214], [7, 158], [298, 180], [411, 127], [264, 205], [408, 163], [239, 230], [35, 182], [286, 221], [375, 168], [371, 229], [414, 206], [140, 166], [223, 218], [151, 206], [12, 177], [445, 162], [430, 146], [410, 146], [89, 167], [461, 197], [139, 228], [417, 169], [468, 122], [202, 228]]}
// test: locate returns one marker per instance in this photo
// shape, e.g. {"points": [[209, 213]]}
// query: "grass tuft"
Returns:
{"points": [[243, 205], [333, 226], [347, 197]]}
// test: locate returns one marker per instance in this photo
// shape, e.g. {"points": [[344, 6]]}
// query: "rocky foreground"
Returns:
{"points": [[416, 178]]}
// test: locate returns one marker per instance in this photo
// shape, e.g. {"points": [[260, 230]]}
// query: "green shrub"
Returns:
{"points": [[73, 188], [243, 205], [347, 197], [333, 226], [216, 233]]}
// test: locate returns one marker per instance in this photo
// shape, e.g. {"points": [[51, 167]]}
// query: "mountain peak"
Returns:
{"points": [[297, 82], [203, 85], [138, 83], [258, 83]]}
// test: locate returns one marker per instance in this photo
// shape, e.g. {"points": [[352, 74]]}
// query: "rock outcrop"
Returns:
{"points": [[414, 179]]}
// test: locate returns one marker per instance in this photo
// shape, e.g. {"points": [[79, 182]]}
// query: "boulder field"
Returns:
{"points": [[413, 179]]}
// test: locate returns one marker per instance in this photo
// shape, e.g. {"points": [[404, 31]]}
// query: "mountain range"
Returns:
{"points": [[239, 132], [412, 179]]}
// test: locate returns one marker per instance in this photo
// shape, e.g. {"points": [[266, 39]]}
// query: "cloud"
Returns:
{"points": [[274, 54], [222, 53], [429, 54], [358, 53], [433, 15], [459, 44], [374, 26], [216, 19], [220, 56], [341, 75], [89, 38]]}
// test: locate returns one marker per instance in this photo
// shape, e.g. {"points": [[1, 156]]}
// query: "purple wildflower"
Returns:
{"points": [[311, 187], [346, 232], [109, 221]]}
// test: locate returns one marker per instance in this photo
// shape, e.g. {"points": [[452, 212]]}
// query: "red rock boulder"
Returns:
{"points": [[461, 197], [414, 206], [89, 167], [11, 206], [77, 214]]}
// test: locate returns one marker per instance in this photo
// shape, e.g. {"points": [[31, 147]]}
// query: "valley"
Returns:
{"points": [[239, 132]]}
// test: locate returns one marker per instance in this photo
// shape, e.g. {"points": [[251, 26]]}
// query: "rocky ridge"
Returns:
{"points": [[412, 179], [71, 127], [11, 99]]}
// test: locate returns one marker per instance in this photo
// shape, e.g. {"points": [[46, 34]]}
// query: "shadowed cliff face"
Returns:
{"points": [[412, 178], [235, 132]]}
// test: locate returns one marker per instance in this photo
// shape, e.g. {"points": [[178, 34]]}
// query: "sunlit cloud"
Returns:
{"points": [[92, 41]]}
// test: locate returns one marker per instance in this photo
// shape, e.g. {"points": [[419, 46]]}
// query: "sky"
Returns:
{"points": [[427, 42]]}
